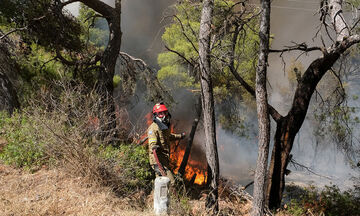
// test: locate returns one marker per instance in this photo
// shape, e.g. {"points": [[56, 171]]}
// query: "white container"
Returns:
{"points": [[161, 195]]}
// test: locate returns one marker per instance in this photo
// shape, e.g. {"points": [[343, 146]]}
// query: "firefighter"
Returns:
{"points": [[159, 135]]}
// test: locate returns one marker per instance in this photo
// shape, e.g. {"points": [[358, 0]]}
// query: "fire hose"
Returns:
{"points": [[158, 163]]}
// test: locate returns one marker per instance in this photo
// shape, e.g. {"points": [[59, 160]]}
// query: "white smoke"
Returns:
{"points": [[290, 21]]}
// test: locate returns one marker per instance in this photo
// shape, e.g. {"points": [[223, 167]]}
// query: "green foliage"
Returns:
{"points": [[355, 97], [135, 162], [182, 37], [25, 147], [44, 23], [37, 69], [132, 163], [339, 124], [47, 31], [329, 201], [97, 27]]}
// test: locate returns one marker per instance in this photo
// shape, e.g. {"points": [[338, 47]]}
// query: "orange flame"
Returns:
{"points": [[193, 167]]}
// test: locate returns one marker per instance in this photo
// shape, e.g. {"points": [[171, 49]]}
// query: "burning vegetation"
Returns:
{"points": [[196, 169]]}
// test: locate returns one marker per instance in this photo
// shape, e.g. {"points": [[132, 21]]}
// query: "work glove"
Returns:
{"points": [[156, 170], [183, 135], [155, 147]]}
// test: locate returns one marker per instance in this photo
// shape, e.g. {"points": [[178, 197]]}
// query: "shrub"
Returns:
{"points": [[24, 148], [63, 127], [131, 164], [329, 201]]}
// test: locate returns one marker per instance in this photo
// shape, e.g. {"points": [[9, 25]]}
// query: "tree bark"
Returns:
{"points": [[289, 126], [262, 113], [8, 97], [207, 99], [8, 67], [106, 72]]}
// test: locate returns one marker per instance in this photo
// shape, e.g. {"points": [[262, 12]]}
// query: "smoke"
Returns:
{"points": [[142, 23], [142, 26], [73, 8], [237, 156], [298, 21], [291, 21]]}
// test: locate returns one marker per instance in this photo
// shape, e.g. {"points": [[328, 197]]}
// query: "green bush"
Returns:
{"points": [[330, 201], [25, 147], [135, 162]]}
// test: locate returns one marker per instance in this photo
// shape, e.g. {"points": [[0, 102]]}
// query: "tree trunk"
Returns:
{"points": [[188, 148], [283, 143], [191, 138], [107, 64], [262, 113], [207, 100], [8, 96]]}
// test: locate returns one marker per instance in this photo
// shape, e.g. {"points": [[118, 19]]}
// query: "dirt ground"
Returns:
{"points": [[53, 192]]}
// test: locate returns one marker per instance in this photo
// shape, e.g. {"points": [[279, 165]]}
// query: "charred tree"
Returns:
{"points": [[190, 141], [207, 99], [188, 148], [289, 125], [262, 112]]}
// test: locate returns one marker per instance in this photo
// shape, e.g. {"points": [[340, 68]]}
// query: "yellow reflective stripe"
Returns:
{"points": [[151, 140]]}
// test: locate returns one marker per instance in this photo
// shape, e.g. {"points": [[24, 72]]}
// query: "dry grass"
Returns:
{"points": [[53, 192]]}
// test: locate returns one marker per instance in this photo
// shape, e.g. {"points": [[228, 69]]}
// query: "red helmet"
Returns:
{"points": [[159, 107]]}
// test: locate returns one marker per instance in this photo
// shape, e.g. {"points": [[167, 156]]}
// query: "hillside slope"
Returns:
{"points": [[52, 192]]}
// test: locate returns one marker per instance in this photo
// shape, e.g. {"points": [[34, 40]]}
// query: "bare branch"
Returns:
{"points": [[100, 7], [64, 60], [298, 165], [180, 55], [183, 31], [298, 47], [12, 31], [355, 24], [148, 75]]}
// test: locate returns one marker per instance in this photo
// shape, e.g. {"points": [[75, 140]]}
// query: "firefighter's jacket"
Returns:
{"points": [[161, 138]]}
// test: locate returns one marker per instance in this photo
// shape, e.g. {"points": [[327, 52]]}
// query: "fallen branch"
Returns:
{"points": [[295, 164]]}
